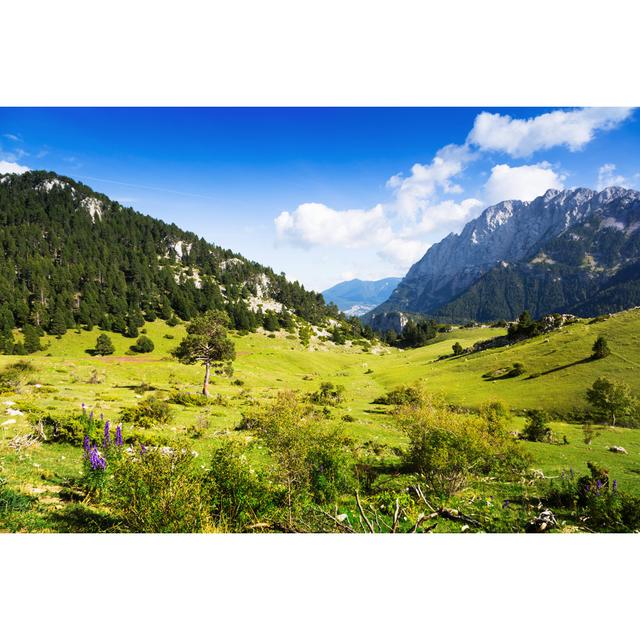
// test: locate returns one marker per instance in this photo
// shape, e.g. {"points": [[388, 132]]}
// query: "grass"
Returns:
{"points": [[561, 374]]}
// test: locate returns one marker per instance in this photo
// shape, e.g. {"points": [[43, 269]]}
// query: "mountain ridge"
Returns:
{"points": [[517, 237], [356, 296]]}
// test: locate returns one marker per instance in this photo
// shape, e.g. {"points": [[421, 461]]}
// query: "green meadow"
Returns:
{"points": [[557, 373]]}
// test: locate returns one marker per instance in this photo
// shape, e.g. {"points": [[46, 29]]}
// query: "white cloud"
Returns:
{"points": [[413, 193], [12, 136], [607, 177], [448, 215], [315, 224], [12, 167], [403, 251], [522, 137], [521, 183]]}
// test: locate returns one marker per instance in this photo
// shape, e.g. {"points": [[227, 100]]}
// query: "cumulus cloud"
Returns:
{"points": [[403, 251], [525, 182], [12, 167], [607, 177], [413, 193], [315, 224], [448, 215], [522, 137]]}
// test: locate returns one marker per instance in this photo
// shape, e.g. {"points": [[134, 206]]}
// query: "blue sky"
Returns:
{"points": [[324, 194]]}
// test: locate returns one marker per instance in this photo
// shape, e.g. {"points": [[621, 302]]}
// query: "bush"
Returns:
{"points": [[69, 429], [104, 346], [310, 461], [536, 428], [187, 399], [446, 447], [596, 501], [14, 375], [149, 412], [400, 395], [237, 496], [328, 393], [143, 345], [158, 491], [600, 349]]}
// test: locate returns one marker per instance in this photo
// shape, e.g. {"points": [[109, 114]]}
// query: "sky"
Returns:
{"points": [[324, 194]]}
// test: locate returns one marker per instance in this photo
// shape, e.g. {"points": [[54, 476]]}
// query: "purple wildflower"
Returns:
{"points": [[107, 435], [505, 504], [84, 409], [143, 449], [86, 445], [101, 417], [96, 460], [615, 485], [119, 435], [91, 415], [599, 484]]}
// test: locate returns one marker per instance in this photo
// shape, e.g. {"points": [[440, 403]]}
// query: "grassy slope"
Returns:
{"points": [[266, 365]]}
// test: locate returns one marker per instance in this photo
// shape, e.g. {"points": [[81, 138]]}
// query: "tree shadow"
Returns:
{"points": [[565, 366]]}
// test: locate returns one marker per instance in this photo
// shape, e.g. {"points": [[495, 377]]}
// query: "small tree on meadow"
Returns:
{"points": [[207, 342], [600, 348], [104, 346], [611, 399], [536, 428], [143, 345], [457, 349]]}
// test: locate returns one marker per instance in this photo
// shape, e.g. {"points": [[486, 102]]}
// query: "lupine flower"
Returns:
{"points": [[91, 415], [143, 449], [84, 409], [86, 445], [96, 460], [615, 485], [107, 435], [599, 484], [505, 504], [119, 435]]}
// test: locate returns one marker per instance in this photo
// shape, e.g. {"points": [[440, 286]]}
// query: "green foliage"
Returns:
{"points": [[310, 461], [536, 428], [187, 399], [403, 394], [457, 348], [600, 348], [104, 346], [446, 448], [149, 412], [143, 345], [158, 491], [611, 400], [206, 342], [328, 394], [597, 502], [237, 495], [304, 333], [16, 374]]}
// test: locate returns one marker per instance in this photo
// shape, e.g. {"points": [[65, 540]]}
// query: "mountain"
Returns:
{"points": [[73, 257], [574, 251], [356, 297]]}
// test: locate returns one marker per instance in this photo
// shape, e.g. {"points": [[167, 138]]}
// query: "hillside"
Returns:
{"points": [[356, 297], [575, 251], [74, 257]]}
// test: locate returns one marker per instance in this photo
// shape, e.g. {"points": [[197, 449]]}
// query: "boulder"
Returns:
{"points": [[617, 449]]}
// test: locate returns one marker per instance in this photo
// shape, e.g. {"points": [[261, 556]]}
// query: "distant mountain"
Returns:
{"points": [[72, 257], [356, 297], [574, 251]]}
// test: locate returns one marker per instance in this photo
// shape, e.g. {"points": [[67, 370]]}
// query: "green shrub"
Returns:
{"points": [[158, 491], [15, 375], [69, 428], [536, 428], [149, 412], [400, 395], [187, 399], [329, 393], [237, 496], [597, 502], [143, 345], [446, 447], [104, 346]]}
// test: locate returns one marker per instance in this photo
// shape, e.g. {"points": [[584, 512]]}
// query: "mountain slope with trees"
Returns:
{"points": [[73, 257]]}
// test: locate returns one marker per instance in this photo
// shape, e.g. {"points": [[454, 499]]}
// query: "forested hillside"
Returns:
{"points": [[72, 257]]}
